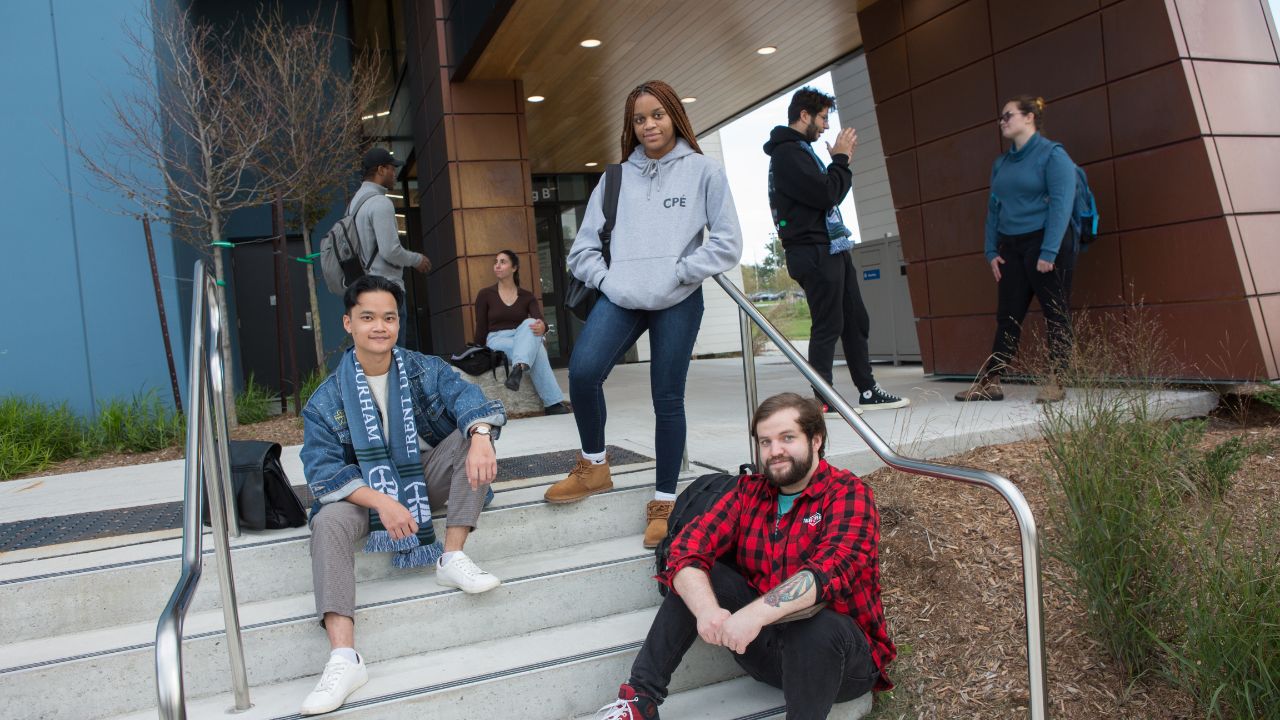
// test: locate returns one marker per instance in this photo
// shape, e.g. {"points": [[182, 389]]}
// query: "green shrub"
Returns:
{"points": [[30, 423], [1270, 396], [17, 458], [143, 424], [253, 404]]}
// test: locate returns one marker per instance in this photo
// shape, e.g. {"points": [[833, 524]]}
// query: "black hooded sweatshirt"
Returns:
{"points": [[800, 194]]}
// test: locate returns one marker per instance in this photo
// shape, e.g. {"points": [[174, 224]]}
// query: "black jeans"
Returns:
{"points": [[816, 662], [835, 310], [1019, 282]]}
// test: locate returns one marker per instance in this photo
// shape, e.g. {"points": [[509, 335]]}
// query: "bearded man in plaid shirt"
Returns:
{"points": [[749, 574]]}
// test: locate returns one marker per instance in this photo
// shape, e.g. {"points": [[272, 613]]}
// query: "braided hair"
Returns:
{"points": [[670, 101]]}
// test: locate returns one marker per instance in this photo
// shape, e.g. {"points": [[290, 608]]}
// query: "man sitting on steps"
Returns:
{"points": [[801, 533], [389, 435]]}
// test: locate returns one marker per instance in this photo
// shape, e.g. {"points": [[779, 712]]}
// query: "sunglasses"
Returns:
{"points": [[1008, 116]]}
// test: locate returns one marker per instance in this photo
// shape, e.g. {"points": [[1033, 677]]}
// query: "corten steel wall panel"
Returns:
{"points": [[1240, 98], [1170, 184], [887, 66], [1138, 35], [1226, 30], [1210, 339], [961, 286], [918, 287], [948, 42], [958, 163], [1054, 65], [1260, 236], [1097, 281], [881, 21], [1180, 263], [485, 137], [1269, 308], [1013, 21], [1082, 124], [904, 181], [897, 129], [1251, 166], [924, 333], [447, 286], [961, 344], [956, 225], [911, 230], [1102, 180], [954, 102], [915, 12], [493, 229], [1152, 108]]}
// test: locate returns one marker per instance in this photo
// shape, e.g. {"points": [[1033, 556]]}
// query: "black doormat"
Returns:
{"points": [[27, 534]]}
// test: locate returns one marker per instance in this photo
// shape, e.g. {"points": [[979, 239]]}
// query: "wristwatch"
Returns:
{"points": [[481, 430]]}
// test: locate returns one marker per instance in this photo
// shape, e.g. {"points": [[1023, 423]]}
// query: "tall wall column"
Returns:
{"points": [[474, 180], [1172, 107]]}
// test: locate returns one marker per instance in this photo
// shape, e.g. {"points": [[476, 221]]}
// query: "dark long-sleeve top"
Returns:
{"points": [[802, 194], [1031, 189], [492, 314]]}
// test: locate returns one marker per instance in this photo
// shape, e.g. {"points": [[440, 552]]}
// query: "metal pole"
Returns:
{"points": [[164, 322], [277, 214], [749, 379], [282, 324], [1014, 497]]}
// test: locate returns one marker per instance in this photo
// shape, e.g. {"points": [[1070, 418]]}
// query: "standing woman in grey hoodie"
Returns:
{"points": [[670, 194]]}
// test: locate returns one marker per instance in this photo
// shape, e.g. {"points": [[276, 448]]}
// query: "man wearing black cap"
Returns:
{"points": [[376, 225]]}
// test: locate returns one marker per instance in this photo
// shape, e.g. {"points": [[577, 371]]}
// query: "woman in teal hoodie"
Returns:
{"points": [[676, 226], [1029, 244]]}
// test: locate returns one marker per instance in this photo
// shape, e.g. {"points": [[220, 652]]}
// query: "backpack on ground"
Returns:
{"points": [[340, 260], [693, 501], [479, 359]]}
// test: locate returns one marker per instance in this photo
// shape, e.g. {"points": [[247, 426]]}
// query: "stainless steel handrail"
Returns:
{"points": [[1007, 490], [207, 466]]}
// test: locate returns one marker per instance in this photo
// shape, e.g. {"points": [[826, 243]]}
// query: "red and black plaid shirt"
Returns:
{"points": [[832, 530]]}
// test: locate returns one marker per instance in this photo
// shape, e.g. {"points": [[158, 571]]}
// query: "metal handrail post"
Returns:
{"points": [[217, 379], [749, 378], [1014, 497]]}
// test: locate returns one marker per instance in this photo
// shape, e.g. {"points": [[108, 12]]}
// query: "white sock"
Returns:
{"points": [[445, 558], [348, 654], [668, 497], [595, 458]]}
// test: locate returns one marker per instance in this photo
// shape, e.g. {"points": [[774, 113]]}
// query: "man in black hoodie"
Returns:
{"points": [[805, 197]]}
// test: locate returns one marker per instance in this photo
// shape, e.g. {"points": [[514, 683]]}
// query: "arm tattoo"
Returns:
{"points": [[791, 589]]}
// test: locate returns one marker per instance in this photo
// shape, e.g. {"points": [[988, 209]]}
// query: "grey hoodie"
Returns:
{"points": [[657, 254], [376, 222]]}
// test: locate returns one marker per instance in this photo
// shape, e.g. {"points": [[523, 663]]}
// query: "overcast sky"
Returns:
{"points": [[748, 168]]}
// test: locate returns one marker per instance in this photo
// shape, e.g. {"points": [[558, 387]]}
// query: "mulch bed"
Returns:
{"points": [[952, 583]]}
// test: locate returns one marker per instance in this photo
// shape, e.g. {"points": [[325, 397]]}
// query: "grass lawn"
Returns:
{"points": [[790, 316]]}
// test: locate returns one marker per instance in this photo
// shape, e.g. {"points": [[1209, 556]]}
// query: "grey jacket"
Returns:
{"points": [[377, 220], [658, 255]]}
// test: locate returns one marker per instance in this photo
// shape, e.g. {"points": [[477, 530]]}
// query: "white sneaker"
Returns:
{"points": [[341, 677], [460, 572]]}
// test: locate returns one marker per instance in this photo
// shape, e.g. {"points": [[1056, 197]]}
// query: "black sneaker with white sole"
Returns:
{"points": [[877, 399]]}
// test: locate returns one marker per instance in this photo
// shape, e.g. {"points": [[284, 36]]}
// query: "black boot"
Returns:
{"points": [[514, 377]]}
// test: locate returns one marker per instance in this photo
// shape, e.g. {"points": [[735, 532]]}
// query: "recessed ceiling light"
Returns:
{"points": [[535, 98], [687, 100], [767, 50], [590, 43], [591, 164]]}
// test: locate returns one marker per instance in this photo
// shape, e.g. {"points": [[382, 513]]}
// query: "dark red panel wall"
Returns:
{"points": [[1173, 109]]}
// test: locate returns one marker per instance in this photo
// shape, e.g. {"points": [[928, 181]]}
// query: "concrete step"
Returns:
{"points": [[396, 618], [552, 674], [131, 584], [742, 698]]}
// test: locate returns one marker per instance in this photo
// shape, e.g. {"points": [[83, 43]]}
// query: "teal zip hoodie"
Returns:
{"points": [[658, 255], [1031, 188]]}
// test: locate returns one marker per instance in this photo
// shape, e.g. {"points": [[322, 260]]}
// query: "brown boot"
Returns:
{"points": [[1050, 391], [584, 480], [985, 388], [656, 512]]}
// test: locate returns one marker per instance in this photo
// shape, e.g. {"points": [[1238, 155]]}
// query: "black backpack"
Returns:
{"points": [[478, 359], [693, 501], [264, 498]]}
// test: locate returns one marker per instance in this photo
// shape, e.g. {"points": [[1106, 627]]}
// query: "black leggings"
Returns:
{"points": [[1019, 282]]}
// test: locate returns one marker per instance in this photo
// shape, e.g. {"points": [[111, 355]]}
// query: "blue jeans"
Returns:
{"points": [[525, 348], [609, 332]]}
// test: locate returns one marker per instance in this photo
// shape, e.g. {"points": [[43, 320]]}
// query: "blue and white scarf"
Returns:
{"points": [[838, 233], [391, 465]]}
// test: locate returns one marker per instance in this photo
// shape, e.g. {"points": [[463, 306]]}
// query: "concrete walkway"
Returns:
{"points": [[933, 426]]}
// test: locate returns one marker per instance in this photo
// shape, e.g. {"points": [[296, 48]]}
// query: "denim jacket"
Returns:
{"points": [[442, 402]]}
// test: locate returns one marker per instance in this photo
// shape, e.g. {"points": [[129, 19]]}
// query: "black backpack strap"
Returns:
{"points": [[612, 189], [355, 227]]}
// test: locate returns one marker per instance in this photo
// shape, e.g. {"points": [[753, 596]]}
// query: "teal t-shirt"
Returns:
{"points": [[785, 502]]}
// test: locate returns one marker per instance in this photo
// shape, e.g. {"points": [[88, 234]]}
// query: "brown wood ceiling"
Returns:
{"points": [[703, 48]]}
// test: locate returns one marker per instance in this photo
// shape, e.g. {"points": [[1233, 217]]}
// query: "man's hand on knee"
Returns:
{"points": [[710, 625], [740, 630], [397, 520], [482, 462]]}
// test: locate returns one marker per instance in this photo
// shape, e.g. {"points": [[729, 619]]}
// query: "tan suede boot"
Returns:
{"points": [[584, 481], [656, 512], [1051, 390], [986, 388]]}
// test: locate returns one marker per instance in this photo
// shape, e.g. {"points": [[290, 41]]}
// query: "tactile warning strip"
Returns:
{"points": [[39, 532]]}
